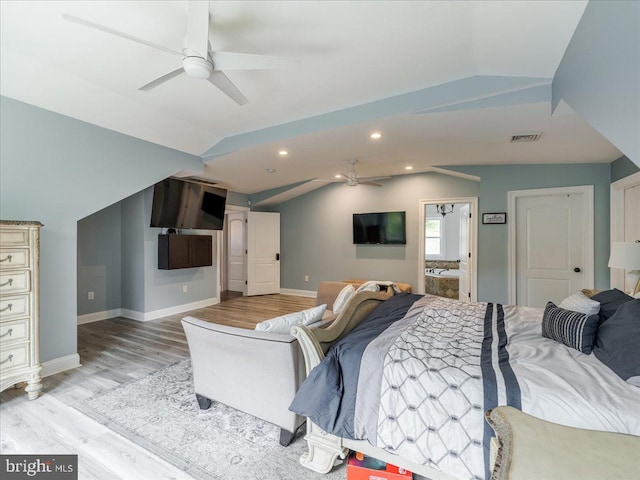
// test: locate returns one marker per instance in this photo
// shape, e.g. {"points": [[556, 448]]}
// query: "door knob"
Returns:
{"points": [[577, 270]]}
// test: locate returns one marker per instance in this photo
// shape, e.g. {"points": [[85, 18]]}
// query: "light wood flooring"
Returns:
{"points": [[113, 352]]}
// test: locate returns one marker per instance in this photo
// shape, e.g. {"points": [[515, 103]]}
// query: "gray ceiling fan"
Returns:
{"points": [[198, 59], [352, 178]]}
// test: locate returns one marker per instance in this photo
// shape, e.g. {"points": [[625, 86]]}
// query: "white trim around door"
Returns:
{"points": [[617, 221], [473, 267], [587, 231]]}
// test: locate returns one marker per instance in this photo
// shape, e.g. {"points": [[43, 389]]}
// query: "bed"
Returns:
{"points": [[408, 378]]}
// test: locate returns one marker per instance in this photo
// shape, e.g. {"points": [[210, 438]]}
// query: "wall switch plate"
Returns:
{"points": [[185, 288], [306, 278], [90, 296]]}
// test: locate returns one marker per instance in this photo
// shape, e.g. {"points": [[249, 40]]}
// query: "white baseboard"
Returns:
{"points": [[60, 364], [97, 316], [299, 293], [165, 312]]}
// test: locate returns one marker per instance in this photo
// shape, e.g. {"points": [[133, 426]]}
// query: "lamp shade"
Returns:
{"points": [[625, 255]]}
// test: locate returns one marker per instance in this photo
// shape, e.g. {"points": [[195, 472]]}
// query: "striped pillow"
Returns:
{"points": [[574, 329]]}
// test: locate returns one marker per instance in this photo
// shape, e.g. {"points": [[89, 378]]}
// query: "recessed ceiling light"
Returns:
{"points": [[408, 167], [283, 153], [271, 170], [338, 176], [376, 135]]}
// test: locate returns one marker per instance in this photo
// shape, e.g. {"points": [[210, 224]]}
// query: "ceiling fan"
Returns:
{"points": [[198, 59], [352, 179]]}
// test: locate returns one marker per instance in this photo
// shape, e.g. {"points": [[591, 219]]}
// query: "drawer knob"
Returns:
{"points": [[9, 332], [6, 259], [9, 359], [8, 282], [8, 307]]}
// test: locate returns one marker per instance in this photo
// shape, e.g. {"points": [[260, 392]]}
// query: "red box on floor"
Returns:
{"points": [[361, 467]]}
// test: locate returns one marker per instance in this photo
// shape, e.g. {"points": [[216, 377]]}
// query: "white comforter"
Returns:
{"points": [[440, 373]]}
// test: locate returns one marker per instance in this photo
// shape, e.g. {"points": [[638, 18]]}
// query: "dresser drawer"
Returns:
{"points": [[10, 237], [14, 282], [15, 331], [14, 258], [14, 357], [14, 307]]}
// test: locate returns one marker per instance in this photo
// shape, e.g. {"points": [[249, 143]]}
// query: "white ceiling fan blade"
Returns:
{"points": [[198, 27], [160, 80], [372, 179], [372, 184], [248, 61], [97, 26], [221, 81]]}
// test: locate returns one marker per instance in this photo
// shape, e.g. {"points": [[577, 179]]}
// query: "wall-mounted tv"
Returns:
{"points": [[379, 228], [184, 204]]}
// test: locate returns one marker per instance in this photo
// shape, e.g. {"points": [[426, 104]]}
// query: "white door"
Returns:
{"points": [[551, 259], [263, 253], [464, 282], [235, 251], [631, 223]]}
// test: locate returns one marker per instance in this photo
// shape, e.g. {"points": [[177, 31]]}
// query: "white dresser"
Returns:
{"points": [[19, 305]]}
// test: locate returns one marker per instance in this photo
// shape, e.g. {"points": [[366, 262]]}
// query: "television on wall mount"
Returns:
{"points": [[383, 228], [185, 204]]}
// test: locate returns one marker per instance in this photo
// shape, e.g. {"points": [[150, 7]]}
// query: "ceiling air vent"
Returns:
{"points": [[525, 137]]}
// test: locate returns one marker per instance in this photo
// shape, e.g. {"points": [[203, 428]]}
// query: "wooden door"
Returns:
{"points": [[263, 253], [631, 225], [236, 251], [551, 261], [464, 282]]}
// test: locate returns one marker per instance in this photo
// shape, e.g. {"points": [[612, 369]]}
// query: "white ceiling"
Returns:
{"points": [[352, 53]]}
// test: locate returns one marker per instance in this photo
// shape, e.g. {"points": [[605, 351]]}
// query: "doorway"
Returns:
{"points": [[447, 248], [550, 244], [625, 222], [250, 254]]}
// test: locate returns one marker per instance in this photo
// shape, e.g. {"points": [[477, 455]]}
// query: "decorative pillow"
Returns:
{"points": [[610, 300], [343, 297], [284, 323], [574, 329], [618, 342], [579, 302]]}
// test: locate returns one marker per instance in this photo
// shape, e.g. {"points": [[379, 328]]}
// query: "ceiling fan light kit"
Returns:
{"points": [[197, 67]]}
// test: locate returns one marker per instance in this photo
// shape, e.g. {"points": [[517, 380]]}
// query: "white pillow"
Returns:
{"points": [[370, 286], [343, 297], [284, 323], [579, 302]]}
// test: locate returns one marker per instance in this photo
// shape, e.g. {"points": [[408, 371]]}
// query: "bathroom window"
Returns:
{"points": [[434, 238]]}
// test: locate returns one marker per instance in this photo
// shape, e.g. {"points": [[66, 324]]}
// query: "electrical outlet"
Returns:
{"points": [[90, 296], [185, 288], [306, 278]]}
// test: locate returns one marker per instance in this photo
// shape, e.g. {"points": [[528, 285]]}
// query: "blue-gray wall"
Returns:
{"points": [[58, 170], [99, 260], [118, 261], [599, 75], [623, 167], [317, 239], [316, 230], [493, 239]]}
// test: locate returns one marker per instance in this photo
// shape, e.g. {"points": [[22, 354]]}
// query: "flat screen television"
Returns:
{"points": [[379, 228], [183, 204]]}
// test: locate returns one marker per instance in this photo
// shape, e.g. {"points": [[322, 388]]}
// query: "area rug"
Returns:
{"points": [[159, 412]]}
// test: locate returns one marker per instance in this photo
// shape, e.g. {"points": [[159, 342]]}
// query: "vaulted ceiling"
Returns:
{"points": [[447, 83]]}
